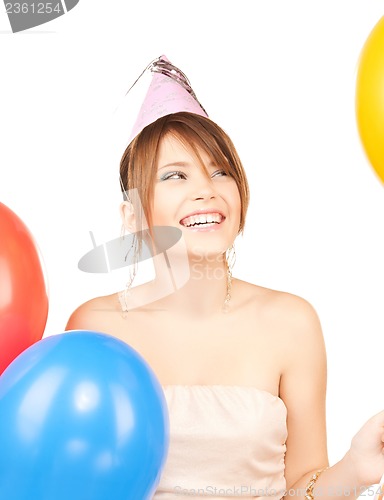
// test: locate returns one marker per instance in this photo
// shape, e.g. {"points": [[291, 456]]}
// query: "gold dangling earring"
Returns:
{"points": [[230, 259]]}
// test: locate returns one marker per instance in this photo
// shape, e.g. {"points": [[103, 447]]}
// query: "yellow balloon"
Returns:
{"points": [[370, 98]]}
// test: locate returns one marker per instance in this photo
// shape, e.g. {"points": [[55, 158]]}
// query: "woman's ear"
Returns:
{"points": [[127, 214]]}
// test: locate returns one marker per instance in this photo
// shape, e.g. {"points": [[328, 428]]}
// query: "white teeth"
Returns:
{"points": [[202, 219]]}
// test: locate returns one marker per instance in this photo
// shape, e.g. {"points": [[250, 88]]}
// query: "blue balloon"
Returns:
{"points": [[82, 417]]}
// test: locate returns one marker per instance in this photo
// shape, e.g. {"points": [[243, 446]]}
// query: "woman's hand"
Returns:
{"points": [[366, 453]]}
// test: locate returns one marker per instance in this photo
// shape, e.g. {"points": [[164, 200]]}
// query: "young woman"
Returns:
{"points": [[243, 367]]}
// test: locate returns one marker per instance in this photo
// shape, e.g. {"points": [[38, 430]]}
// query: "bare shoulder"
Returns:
{"points": [[95, 314], [291, 308], [287, 313], [294, 335], [276, 301], [298, 329]]}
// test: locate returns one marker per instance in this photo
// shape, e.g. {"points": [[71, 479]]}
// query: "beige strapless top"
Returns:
{"points": [[225, 441]]}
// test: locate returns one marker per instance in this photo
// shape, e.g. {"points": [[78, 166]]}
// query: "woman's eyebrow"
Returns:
{"points": [[182, 164], [175, 164]]}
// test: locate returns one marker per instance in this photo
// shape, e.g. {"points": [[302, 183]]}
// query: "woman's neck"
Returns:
{"points": [[184, 285], [204, 292]]}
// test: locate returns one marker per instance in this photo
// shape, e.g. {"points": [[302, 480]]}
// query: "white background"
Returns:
{"points": [[279, 77]]}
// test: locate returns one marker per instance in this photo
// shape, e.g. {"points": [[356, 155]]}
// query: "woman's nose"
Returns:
{"points": [[202, 188]]}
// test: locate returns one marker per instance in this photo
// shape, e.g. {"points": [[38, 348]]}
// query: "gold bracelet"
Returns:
{"points": [[311, 484]]}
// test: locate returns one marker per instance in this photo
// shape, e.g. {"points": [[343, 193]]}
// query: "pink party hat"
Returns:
{"points": [[169, 92]]}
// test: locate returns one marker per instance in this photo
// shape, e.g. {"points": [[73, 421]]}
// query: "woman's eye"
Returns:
{"points": [[181, 175], [172, 175], [219, 172]]}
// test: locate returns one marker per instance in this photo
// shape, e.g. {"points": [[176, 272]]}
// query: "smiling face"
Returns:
{"points": [[196, 195], [210, 177]]}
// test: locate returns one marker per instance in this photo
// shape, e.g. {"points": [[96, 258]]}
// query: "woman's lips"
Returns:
{"points": [[206, 212]]}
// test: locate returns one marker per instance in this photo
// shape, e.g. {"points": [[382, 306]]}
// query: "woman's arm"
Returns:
{"points": [[303, 389]]}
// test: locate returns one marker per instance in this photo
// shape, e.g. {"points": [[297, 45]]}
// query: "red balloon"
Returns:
{"points": [[23, 291]]}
